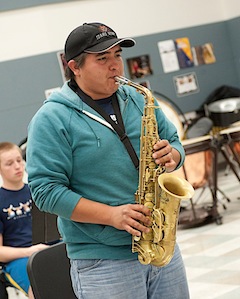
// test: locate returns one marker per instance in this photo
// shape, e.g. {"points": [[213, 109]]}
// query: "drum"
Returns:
{"points": [[198, 144], [230, 138], [224, 112], [198, 165], [173, 116], [232, 132], [200, 169]]}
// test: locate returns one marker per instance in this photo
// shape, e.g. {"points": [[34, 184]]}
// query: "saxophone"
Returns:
{"points": [[161, 192]]}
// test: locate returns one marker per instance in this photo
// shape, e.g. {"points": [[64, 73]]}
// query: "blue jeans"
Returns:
{"points": [[128, 279]]}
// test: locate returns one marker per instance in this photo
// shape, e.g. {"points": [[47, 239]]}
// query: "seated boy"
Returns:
{"points": [[15, 219]]}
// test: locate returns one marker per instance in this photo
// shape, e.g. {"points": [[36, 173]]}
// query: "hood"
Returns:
{"points": [[69, 98]]}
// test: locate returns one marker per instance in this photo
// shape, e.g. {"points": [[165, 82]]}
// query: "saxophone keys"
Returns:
{"points": [[146, 254], [157, 216], [149, 205], [136, 238], [148, 236], [145, 259], [149, 197]]}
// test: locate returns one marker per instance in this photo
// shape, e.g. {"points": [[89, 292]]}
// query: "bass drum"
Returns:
{"points": [[173, 116]]}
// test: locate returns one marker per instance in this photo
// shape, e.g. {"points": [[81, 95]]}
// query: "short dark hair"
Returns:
{"points": [[80, 60]]}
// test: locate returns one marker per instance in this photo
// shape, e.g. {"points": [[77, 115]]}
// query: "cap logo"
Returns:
{"points": [[103, 28], [104, 31]]}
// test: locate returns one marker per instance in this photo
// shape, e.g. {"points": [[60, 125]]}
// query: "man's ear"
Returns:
{"points": [[73, 67]]}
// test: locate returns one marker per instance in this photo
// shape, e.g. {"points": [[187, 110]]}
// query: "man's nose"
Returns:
{"points": [[114, 63]]}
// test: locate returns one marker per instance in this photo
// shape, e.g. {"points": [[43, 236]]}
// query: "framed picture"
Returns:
{"points": [[139, 66], [184, 52], [168, 54], [203, 54], [62, 64], [186, 84], [145, 84]]}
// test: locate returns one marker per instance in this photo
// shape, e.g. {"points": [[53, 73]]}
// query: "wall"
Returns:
{"points": [[223, 72], [233, 27], [43, 29], [12, 5], [29, 66]]}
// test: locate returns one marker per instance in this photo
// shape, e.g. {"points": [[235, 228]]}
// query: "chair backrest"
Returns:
{"points": [[49, 275], [44, 226], [3, 286]]}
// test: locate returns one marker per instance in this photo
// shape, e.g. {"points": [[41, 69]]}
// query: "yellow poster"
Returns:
{"points": [[184, 52]]}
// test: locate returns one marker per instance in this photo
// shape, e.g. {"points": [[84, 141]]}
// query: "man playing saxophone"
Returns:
{"points": [[79, 169]]}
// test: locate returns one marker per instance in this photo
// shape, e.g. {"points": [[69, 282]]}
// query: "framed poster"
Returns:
{"points": [[62, 64], [168, 54], [139, 66], [203, 54], [186, 84], [184, 52]]}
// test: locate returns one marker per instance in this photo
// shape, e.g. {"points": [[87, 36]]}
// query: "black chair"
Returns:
{"points": [[48, 272], [4, 284], [44, 226]]}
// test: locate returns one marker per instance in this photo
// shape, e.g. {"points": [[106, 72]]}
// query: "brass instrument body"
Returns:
{"points": [[159, 191]]}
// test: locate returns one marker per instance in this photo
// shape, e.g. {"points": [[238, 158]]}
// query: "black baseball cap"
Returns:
{"points": [[93, 38]]}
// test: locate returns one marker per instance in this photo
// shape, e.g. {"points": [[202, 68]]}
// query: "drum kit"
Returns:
{"points": [[203, 151]]}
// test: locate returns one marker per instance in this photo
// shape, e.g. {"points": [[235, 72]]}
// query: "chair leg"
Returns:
{"points": [[3, 287]]}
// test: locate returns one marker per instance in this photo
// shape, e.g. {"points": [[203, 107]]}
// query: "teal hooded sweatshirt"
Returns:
{"points": [[72, 153]]}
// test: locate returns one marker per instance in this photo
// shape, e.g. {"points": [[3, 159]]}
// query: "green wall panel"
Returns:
{"points": [[23, 81]]}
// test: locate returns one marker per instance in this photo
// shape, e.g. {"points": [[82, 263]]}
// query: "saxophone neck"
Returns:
{"points": [[143, 90]]}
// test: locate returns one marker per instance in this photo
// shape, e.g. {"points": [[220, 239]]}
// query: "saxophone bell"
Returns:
{"points": [[175, 186]]}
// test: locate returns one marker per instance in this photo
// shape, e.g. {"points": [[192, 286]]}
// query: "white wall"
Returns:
{"points": [[43, 29], [230, 8]]}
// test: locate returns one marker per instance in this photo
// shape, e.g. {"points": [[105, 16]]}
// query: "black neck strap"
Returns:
{"points": [[118, 127]]}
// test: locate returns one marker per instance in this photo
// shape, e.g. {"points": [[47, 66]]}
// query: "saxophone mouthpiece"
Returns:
{"points": [[117, 81], [121, 80]]}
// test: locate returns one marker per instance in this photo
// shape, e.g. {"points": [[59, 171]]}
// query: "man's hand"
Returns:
{"points": [[166, 155], [134, 218]]}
